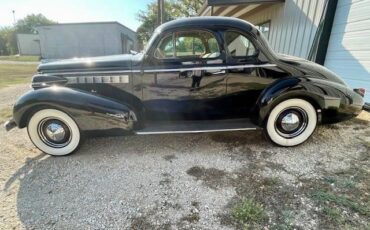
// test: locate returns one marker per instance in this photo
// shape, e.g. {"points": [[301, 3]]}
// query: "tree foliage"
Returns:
{"points": [[173, 9], [30, 22], [8, 41], [8, 35]]}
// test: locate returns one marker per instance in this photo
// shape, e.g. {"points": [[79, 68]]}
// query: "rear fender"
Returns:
{"points": [[323, 95], [91, 112]]}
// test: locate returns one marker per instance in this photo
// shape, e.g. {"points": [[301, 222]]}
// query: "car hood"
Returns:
{"points": [[311, 69], [104, 63]]}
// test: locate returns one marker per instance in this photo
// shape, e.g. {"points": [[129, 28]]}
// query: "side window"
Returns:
{"points": [[200, 44], [213, 45], [189, 46], [238, 45], [165, 48]]}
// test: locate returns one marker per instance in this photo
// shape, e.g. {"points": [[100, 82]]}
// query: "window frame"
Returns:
{"points": [[160, 43], [190, 58], [245, 34]]}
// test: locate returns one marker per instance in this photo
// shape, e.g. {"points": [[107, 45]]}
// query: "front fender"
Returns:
{"points": [[323, 95], [91, 112]]}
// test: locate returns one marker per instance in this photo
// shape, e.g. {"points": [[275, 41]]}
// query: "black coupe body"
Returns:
{"points": [[196, 75]]}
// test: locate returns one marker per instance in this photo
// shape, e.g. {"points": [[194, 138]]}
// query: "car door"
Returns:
{"points": [[249, 73], [184, 77]]}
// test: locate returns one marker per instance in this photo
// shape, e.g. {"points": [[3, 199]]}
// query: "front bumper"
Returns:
{"points": [[9, 125]]}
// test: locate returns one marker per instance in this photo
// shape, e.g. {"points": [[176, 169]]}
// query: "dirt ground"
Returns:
{"points": [[192, 181]]}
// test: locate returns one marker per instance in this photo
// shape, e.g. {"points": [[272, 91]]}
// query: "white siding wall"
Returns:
{"points": [[28, 44], [293, 25], [349, 46], [82, 40]]}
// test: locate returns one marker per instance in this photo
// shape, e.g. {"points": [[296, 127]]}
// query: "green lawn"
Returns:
{"points": [[20, 58], [11, 74]]}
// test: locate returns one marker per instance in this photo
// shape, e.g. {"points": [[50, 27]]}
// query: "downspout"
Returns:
{"points": [[320, 43]]}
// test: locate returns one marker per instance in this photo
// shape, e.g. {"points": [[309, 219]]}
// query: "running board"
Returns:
{"points": [[203, 126]]}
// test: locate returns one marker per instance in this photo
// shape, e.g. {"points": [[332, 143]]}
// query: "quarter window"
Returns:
{"points": [[198, 44], [238, 45]]}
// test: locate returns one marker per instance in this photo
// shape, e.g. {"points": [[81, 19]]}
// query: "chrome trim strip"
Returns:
{"points": [[250, 66], [208, 68], [192, 131], [92, 72], [165, 70]]}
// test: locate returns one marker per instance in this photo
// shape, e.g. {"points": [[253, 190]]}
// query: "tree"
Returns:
{"points": [[173, 9], [30, 22], [8, 35], [188, 8], [8, 41]]}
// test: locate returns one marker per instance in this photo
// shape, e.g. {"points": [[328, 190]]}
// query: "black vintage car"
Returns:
{"points": [[203, 74]]}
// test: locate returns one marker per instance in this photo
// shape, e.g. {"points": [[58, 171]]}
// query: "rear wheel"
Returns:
{"points": [[54, 132], [291, 122]]}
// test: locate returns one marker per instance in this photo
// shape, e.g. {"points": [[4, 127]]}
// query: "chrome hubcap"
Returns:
{"points": [[291, 122], [54, 133]]}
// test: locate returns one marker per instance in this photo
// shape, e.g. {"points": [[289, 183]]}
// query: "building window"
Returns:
{"points": [[265, 28]]}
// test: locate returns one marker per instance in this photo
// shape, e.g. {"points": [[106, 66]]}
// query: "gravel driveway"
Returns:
{"points": [[191, 181]]}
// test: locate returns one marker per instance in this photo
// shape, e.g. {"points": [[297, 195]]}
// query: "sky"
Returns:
{"points": [[67, 11]]}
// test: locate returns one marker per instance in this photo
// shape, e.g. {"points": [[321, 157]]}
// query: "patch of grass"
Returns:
{"points": [[20, 58], [11, 74], [5, 114], [341, 183], [323, 197], [286, 223], [330, 180], [248, 212], [332, 213]]}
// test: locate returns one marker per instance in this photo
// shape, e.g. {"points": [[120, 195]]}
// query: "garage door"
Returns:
{"points": [[349, 46]]}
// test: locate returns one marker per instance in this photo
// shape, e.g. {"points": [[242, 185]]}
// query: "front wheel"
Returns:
{"points": [[291, 122], [54, 132]]}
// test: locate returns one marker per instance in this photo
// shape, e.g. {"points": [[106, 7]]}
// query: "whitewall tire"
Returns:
{"points": [[54, 132], [291, 122]]}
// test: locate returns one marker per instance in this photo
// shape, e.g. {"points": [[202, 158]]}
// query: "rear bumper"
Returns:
{"points": [[9, 125]]}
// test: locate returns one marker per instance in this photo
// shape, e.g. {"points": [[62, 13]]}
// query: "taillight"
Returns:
{"points": [[360, 91]]}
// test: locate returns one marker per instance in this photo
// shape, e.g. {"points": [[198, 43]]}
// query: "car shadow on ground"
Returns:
{"points": [[77, 190]]}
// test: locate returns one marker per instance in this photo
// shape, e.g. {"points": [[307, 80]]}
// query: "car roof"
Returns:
{"points": [[206, 22]]}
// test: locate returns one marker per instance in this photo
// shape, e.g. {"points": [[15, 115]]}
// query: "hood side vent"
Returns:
{"points": [[44, 80]]}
